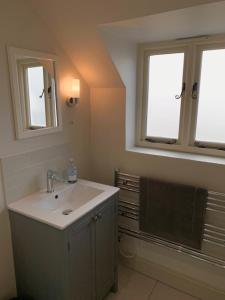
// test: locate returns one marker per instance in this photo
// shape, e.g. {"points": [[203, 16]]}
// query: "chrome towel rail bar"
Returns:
{"points": [[203, 257], [214, 231]]}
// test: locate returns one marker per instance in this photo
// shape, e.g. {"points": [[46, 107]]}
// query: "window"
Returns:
{"points": [[37, 86], [211, 108], [35, 92], [165, 73], [36, 97], [181, 98]]}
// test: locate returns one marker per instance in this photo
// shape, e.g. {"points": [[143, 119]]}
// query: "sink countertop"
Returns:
{"points": [[48, 207]]}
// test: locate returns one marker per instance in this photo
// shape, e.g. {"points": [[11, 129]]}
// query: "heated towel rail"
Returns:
{"points": [[213, 244]]}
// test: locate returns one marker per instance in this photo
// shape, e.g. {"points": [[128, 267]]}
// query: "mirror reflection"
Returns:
{"points": [[34, 91], [38, 86]]}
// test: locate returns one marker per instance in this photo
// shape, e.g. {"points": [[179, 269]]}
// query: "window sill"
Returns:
{"points": [[178, 155]]}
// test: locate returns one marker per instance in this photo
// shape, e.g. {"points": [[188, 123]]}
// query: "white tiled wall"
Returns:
{"points": [[25, 173]]}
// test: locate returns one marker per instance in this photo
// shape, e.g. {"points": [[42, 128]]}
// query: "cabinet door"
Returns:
{"points": [[81, 260], [105, 233]]}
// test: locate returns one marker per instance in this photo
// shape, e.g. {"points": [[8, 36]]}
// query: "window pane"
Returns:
{"points": [[211, 107], [165, 81], [36, 96]]}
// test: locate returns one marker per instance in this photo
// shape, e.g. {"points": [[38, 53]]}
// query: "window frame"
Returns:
{"points": [[50, 117], [189, 107], [199, 52], [147, 55]]}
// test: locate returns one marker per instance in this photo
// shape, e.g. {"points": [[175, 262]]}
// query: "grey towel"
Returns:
{"points": [[171, 211]]}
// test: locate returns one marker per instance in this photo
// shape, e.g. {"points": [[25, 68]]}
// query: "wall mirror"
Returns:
{"points": [[35, 94]]}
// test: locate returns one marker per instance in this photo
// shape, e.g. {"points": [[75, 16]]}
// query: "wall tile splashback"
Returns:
{"points": [[24, 174]]}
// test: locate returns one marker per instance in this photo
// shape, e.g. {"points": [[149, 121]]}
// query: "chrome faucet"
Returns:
{"points": [[51, 177]]}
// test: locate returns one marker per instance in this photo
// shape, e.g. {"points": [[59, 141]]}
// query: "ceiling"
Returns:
{"points": [[74, 24]]}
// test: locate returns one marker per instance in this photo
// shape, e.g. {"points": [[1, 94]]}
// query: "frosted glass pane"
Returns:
{"points": [[165, 81], [211, 108], [37, 103]]}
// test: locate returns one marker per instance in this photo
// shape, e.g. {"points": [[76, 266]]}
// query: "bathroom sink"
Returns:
{"points": [[65, 205], [71, 198]]}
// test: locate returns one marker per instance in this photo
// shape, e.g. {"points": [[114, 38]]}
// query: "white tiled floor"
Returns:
{"points": [[135, 286]]}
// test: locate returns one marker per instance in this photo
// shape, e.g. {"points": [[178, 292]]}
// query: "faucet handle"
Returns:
{"points": [[50, 173]]}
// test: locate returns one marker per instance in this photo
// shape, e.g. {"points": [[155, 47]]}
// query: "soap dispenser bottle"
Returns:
{"points": [[71, 171]]}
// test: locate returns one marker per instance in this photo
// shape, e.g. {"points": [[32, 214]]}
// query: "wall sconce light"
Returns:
{"points": [[75, 96]]}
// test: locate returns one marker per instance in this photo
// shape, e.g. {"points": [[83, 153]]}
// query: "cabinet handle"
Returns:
{"points": [[95, 218], [99, 216]]}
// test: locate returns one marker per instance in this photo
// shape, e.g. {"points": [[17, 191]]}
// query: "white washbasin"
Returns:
{"points": [[70, 198], [65, 205]]}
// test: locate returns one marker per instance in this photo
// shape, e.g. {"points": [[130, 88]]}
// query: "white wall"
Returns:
{"points": [[21, 28], [7, 280]]}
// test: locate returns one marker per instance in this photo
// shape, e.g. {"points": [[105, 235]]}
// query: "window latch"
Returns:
{"points": [[49, 92], [195, 91], [182, 92], [42, 94]]}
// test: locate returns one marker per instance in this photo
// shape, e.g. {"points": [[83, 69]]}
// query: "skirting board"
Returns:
{"points": [[174, 279]]}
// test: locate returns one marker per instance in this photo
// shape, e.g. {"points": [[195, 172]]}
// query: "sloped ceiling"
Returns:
{"points": [[74, 24]]}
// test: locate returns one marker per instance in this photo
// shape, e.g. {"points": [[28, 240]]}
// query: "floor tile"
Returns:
{"points": [[164, 292], [132, 286]]}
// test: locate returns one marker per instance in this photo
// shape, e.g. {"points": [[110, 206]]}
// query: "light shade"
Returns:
{"points": [[75, 88]]}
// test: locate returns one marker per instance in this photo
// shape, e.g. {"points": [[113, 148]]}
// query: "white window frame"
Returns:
{"points": [[192, 47], [51, 117]]}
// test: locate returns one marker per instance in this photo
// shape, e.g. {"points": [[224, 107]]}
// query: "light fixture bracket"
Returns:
{"points": [[72, 101]]}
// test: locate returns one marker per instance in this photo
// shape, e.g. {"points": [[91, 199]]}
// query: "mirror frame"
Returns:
{"points": [[14, 54]]}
